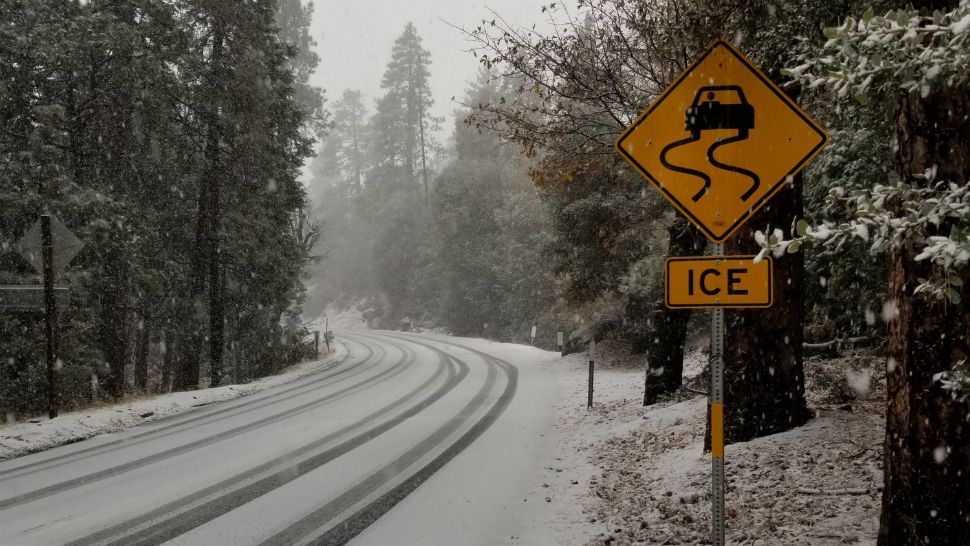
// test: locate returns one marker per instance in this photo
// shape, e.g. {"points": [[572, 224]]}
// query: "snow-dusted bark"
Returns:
{"points": [[926, 499]]}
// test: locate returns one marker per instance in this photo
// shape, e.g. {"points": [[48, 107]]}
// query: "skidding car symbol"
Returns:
{"points": [[711, 114]]}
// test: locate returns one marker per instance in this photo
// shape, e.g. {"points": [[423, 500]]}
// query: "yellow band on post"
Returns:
{"points": [[717, 430]]}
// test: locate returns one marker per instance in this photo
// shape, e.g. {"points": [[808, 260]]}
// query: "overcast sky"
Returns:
{"points": [[354, 39]]}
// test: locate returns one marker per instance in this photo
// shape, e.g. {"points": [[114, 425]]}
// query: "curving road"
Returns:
{"points": [[404, 440]]}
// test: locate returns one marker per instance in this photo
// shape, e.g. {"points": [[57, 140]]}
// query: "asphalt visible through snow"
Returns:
{"points": [[406, 440]]}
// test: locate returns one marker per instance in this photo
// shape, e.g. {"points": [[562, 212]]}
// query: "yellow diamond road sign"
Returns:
{"points": [[721, 141]]}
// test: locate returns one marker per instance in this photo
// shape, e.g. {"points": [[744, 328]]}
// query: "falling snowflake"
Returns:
{"points": [[890, 310]]}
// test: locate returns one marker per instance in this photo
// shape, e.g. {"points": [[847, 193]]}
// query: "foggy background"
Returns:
{"points": [[354, 40]]}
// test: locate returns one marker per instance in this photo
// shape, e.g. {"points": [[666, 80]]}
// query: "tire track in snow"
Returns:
{"points": [[43, 492], [305, 531], [183, 515], [246, 404]]}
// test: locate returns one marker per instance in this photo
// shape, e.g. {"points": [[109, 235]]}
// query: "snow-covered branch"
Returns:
{"points": [[901, 51]]}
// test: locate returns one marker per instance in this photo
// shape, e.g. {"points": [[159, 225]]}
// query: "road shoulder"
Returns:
{"points": [[41, 434]]}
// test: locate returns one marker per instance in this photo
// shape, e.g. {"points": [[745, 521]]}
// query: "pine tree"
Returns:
{"points": [[405, 109], [294, 19], [343, 155], [466, 195]]}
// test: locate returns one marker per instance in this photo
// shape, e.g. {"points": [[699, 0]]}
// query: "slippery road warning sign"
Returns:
{"points": [[721, 141], [718, 281]]}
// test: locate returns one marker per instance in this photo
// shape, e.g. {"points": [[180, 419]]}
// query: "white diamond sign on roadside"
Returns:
{"points": [[64, 243]]}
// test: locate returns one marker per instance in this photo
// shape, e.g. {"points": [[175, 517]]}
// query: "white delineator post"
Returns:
{"points": [[592, 352], [717, 419]]}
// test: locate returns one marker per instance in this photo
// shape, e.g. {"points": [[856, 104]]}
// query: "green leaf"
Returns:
{"points": [[863, 99], [953, 296], [794, 247], [868, 15], [801, 228], [772, 240], [956, 281], [830, 32], [787, 72], [902, 18]]}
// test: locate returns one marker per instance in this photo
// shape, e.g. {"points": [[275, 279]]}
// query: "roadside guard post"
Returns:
{"points": [[718, 144]]}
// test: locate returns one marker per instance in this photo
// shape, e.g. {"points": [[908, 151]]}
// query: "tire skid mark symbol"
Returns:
{"points": [[755, 180], [712, 114], [692, 172]]}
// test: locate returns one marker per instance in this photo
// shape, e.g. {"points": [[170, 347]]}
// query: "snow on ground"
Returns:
{"points": [[39, 434], [639, 475], [341, 318], [622, 474], [500, 489]]}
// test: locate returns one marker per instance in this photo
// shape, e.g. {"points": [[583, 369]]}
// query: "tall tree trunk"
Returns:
{"points": [[168, 359], [114, 323], [141, 357], [216, 288], [666, 331], [764, 379], [207, 262], [409, 116], [926, 497], [424, 159], [187, 370], [217, 315], [358, 168]]}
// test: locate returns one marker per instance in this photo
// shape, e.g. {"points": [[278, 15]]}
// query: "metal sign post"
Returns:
{"points": [[50, 314], [49, 246], [717, 419], [719, 181]]}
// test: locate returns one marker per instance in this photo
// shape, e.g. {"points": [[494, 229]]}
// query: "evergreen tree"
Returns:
{"points": [[340, 171], [294, 19], [405, 109], [168, 136], [342, 157]]}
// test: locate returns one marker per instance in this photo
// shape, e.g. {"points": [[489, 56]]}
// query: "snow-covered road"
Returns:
{"points": [[408, 440]]}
